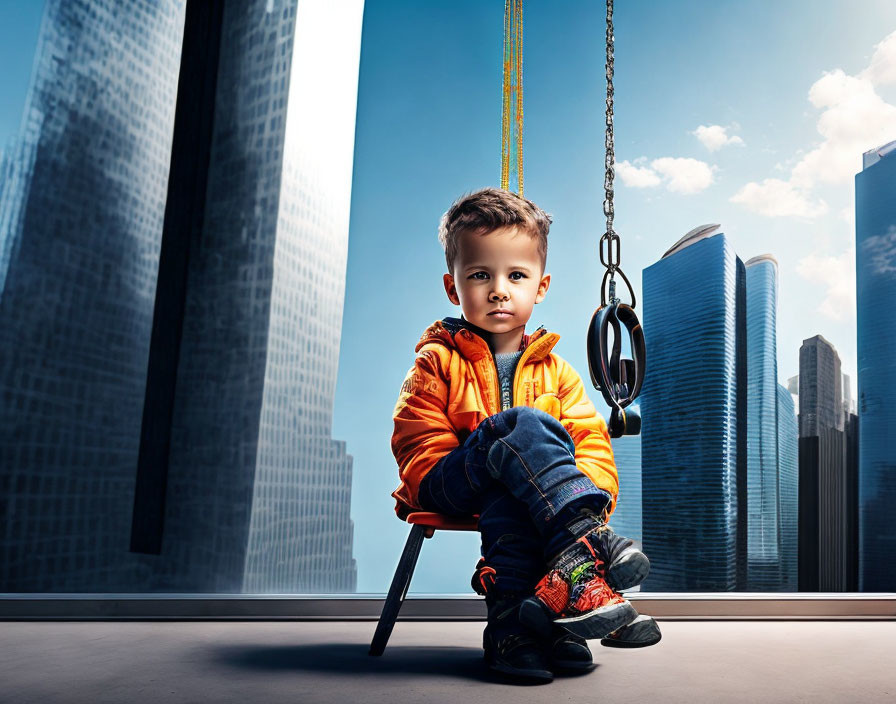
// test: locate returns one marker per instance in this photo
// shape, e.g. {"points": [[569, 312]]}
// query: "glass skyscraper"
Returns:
{"points": [[694, 416], [788, 489], [262, 489], [827, 498], [876, 323], [763, 504], [820, 387], [80, 229], [626, 519]]}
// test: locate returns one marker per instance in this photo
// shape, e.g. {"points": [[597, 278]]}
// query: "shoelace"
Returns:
{"points": [[595, 594], [553, 591], [607, 549], [514, 641]]}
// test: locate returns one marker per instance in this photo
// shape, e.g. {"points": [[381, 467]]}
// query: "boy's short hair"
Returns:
{"points": [[489, 209]]}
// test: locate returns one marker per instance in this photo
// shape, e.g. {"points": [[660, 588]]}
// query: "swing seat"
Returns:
{"points": [[424, 525]]}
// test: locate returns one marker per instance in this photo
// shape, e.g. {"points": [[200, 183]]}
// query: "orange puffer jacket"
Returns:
{"points": [[453, 386]]}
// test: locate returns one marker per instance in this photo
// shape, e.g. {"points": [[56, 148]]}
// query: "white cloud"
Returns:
{"points": [[636, 177], [837, 275], [679, 175], [714, 137], [776, 198], [684, 175], [882, 68], [853, 119]]}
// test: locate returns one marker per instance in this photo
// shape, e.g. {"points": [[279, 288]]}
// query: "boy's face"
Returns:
{"points": [[498, 270]]}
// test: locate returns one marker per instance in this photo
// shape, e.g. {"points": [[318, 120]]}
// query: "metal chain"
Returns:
{"points": [[608, 142], [610, 240]]}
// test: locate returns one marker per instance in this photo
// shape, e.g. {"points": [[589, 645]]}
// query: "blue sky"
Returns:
{"points": [[764, 76]]}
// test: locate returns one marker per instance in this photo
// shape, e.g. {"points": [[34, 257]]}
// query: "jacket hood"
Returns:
{"points": [[475, 342]]}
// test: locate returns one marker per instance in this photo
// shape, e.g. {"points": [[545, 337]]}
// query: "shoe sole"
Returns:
{"points": [[593, 624], [640, 633], [628, 571], [531, 675], [572, 665]]}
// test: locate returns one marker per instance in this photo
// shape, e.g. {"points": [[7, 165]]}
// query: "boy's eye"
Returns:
{"points": [[475, 275]]}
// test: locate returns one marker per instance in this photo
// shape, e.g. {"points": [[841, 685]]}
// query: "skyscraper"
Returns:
{"points": [[626, 519], [821, 387], [80, 227], [825, 537], [763, 501], [694, 407], [261, 490], [876, 325], [788, 489], [846, 398]]}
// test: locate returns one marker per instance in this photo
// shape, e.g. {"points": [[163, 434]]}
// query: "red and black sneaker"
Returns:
{"points": [[574, 595]]}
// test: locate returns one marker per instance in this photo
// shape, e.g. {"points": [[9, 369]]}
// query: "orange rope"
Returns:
{"points": [[512, 96]]}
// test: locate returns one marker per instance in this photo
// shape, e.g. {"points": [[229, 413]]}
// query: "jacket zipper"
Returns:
{"points": [[498, 398], [516, 375], [519, 365]]}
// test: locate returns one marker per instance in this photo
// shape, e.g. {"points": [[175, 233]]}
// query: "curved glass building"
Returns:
{"points": [[876, 326], [763, 506], [694, 416]]}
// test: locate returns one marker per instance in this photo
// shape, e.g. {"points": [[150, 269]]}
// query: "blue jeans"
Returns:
{"points": [[517, 470]]}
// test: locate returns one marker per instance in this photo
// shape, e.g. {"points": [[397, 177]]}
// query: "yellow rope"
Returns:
{"points": [[512, 96]]}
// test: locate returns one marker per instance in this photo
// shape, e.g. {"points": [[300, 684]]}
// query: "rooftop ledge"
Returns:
{"points": [[431, 607]]}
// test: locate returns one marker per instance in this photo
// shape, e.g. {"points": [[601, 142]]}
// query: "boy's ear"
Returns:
{"points": [[450, 289], [543, 286]]}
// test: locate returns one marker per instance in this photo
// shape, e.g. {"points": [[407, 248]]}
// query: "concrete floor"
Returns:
{"points": [[428, 662]]}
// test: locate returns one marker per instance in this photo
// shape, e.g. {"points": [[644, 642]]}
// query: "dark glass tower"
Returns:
{"points": [[763, 500], [80, 228], [821, 387], [259, 491], [876, 323], [694, 411], [826, 501]]}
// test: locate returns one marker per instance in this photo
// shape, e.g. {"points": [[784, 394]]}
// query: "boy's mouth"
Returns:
{"points": [[501, 313]]}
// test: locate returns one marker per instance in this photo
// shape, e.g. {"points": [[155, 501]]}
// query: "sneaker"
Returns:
{"points": [[567, 651], [509, 648], [640, 633], [574, 595], [626, 566], [621, 564]]}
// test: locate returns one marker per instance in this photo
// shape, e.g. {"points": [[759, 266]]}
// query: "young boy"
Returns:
{"points": [[489, 421]]}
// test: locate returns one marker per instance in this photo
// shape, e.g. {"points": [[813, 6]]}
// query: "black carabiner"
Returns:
{"points": [[619, 380]]}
